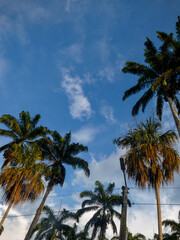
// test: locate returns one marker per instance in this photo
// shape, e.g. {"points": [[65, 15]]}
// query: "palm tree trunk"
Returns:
{"points": [[38, 212], [6, 213], [175, 114], [159, 211]]}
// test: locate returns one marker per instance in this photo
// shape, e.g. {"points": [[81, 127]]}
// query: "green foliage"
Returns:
{"points": [[175, 228], [1, 230], [22, 181], [22, 131], [150, 156], [137, 236], [102, 201], [160, 75], [53, 225], [59, 152]]}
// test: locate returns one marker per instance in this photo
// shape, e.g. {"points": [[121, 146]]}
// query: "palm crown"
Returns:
{"points": [[60, 151], [160, 76], [53, 225], [21, 130], [150, 158], [103, 202]]}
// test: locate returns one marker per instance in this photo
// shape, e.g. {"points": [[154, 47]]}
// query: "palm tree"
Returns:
{"points": [[150, 158], [22, 181], [175, 228], [58, 151], [160, 75], [103, 202], [22, 131], [53, 225]]}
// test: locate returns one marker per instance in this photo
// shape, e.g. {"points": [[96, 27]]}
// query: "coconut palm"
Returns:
{"points": [[102, 201], [22, 131], [22, 182], [59, 152], [53, 225], [175, 228], [160, 75], [150, 158]]}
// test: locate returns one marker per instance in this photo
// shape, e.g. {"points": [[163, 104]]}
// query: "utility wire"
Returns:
{"points": [[72, 210], [133, 188]]}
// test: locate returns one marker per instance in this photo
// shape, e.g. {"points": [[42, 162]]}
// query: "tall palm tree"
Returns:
{"points": [[53, 226], [160, 75], [22, 131], [58, 151], [103, 202], [150, 158], [22, 181], [175, 227]]}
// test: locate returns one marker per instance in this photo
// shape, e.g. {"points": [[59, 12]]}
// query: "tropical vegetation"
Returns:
{"points": [[53, 226], [150, 158], [174, 226], [22, 180], [58, 151], [102, 201], [159, 75]]}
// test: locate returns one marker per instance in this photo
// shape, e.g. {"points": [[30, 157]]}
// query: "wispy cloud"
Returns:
{"points": [[3, 69], [79, 104], [85, 134], [106, 169], [108, 113], [71, 54]]}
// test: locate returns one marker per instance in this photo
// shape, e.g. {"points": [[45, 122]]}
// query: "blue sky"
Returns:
{"points": [[63, 60]]}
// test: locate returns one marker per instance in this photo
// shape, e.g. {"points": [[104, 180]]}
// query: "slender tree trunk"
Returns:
{"points": [[6, 213], [175, 114], [38, 213], [159, 211]]}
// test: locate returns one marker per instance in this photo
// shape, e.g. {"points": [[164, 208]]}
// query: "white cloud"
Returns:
{"points": [[108, 72], [107, 169], [72, 53], [68, 4], [85, 134], [108, 113], [16, 226], [79, 103]]}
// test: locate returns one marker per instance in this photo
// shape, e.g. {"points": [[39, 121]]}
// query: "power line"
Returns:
{"points": [[168, 204], [72, 210], [77, 193]]}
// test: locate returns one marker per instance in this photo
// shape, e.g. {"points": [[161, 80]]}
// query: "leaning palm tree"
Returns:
{"points": [[22, 181], [102, 201], [150, 158], [174, 226], [160, 75], [58, 151], [21, 131], [53, 225]]}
